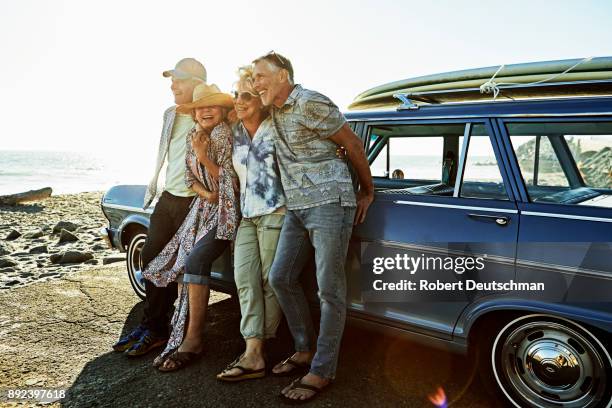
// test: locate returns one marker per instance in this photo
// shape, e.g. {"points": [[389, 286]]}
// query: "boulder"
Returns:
{"points": [[67, 236], [34, 234], [31, 195], [42, 249], [13, 235], [70, 257], [7, 262], [99, 247], [112, 259], [5, 248], [47, 274], [67, 225]]}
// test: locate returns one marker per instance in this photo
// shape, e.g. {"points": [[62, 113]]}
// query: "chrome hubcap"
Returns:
{"points": [[549, 364], [553, 364]]}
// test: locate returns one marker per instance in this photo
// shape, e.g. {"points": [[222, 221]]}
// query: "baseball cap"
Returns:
{"points": [[187, 68]]}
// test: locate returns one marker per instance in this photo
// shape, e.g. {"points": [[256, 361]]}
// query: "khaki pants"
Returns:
{"points": [[254, 252]]}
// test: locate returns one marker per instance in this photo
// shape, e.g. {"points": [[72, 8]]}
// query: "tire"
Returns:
{"points": [[134, 265], [545, 361]]}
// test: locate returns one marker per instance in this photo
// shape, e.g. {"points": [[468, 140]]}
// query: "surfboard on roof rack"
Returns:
{"points": [[589, 76]]}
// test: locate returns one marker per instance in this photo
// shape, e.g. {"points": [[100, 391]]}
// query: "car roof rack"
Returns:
{"points": [[548, 79], [512, 92]]}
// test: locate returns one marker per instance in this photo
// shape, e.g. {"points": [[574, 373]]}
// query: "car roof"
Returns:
{"points": [[572, 106]]}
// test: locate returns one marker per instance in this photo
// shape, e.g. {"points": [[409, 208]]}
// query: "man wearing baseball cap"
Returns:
{"points": [[171, 208]]}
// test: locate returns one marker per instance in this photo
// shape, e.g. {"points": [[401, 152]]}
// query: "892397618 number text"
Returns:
{"points": [[43, 395]]}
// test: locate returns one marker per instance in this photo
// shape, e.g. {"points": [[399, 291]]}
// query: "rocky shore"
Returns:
{"points": [[50, 238]]}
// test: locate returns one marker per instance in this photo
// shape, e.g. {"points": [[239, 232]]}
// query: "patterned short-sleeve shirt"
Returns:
{"points": [[311, 173], [254, 160]]}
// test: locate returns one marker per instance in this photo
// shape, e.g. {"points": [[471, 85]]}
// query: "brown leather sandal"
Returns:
{"points": [[181, 359], [296, 368], [297, 384]]}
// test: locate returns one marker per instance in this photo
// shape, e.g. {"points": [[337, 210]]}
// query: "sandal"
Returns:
{"points": [[159, 360], [246, 373], [298, 385], [181, 359], [296, 368]]}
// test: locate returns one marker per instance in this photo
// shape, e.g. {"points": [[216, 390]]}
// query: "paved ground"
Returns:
{"points": [[58, 334]]}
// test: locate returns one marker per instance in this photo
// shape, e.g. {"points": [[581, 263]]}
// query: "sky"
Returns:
{"points": [[86, 75]]}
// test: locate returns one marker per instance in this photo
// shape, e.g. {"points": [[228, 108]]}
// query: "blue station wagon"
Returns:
{"points": [[522, 183]]}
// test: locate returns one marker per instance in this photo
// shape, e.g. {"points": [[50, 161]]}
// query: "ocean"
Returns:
{"points": [[69, 172], [74, 172]]}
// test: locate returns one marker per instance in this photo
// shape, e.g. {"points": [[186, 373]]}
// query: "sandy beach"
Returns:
{"points": [[50, 238]]}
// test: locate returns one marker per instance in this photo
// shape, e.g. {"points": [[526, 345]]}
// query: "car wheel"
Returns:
{"points": [[545, 361], [134, 265]]}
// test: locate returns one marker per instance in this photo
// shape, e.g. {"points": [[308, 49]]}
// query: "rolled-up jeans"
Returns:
{"points": [[200, 260], [254, 251], [326, 230]]}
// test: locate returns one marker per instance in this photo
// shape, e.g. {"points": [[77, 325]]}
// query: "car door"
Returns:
{"points": [[442, 192], [564, 173]]}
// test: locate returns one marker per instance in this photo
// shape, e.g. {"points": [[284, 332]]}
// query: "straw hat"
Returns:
{"points": [[207, 95]]}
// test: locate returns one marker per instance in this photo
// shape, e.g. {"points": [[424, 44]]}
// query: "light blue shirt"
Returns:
{"points": [[311, 173], [261, 191]]}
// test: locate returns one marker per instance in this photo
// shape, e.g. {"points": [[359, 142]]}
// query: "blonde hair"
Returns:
{"points": [[245, 80], [245, 77]]}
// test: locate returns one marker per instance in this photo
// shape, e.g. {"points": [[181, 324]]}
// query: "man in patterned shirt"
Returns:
{"points": [[321, 211]]}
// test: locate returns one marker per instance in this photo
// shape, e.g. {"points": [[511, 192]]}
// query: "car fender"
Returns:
{"points": [[601, 319], [127, 221]]}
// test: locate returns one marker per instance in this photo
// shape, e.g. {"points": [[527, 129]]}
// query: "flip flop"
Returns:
{"points": [[298, 385], [296, 368], [181, 359], [245, 374], [158, 361]]}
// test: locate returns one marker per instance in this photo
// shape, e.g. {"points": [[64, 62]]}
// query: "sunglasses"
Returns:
{"points": [[281, 60], [245, 96]]}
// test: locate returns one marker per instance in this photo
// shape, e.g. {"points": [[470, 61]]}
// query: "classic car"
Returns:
{"points": [[524, 182]]}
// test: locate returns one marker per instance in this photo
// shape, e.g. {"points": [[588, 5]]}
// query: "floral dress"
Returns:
{"points": [[202, 218]]}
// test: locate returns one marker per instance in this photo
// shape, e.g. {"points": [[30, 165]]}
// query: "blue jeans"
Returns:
{"points": [[326, 230], [203, 254]]}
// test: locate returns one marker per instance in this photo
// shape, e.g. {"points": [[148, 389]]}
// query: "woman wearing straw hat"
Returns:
{"points": [[207, 230], [262, 203]]}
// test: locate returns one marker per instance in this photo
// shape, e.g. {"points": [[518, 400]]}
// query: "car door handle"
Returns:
{"points": [[501, 221]]}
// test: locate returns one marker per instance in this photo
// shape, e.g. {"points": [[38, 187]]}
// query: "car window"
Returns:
{"points": [[379, 166], [481, 177], [538, 161], [424, 159], [415, 159], [593, 154], [565, 162]]}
